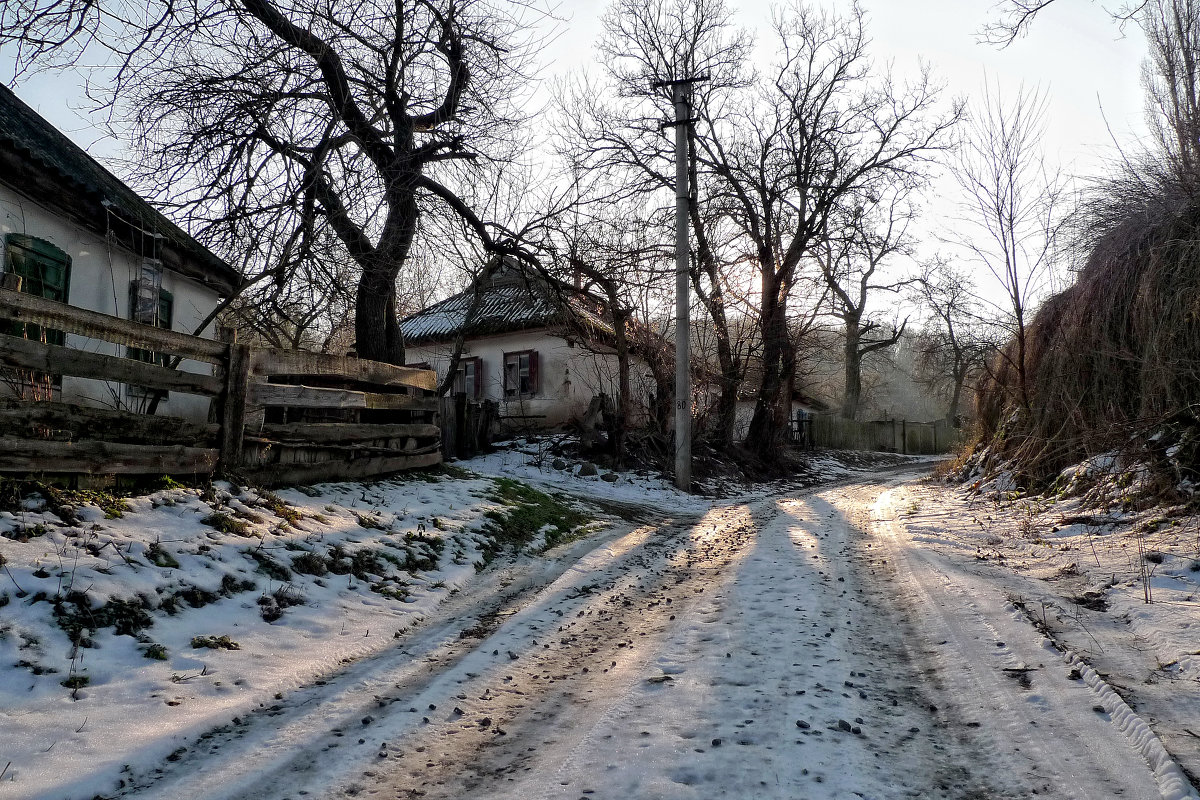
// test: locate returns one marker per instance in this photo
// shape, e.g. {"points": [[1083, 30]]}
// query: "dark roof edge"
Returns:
{"points": [[32, 151]]}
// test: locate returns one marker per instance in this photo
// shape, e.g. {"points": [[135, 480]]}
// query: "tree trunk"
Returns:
{"points": [[730, 380], [376, 328], [726, 425], [960, 378], [620, 428], [376, 325], [768, 427], [853, 369]]}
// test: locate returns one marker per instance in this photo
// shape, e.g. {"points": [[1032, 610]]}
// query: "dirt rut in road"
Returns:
{"points": [[507, 721], [772, 611]]}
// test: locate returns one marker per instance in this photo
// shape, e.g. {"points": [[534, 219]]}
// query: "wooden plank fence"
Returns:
{"points": [[466, 426], [893, 436], [281, 416]]}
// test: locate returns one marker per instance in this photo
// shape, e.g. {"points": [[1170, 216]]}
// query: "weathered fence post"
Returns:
{"points": [[460, 424], [233, 403], [448, 425]]}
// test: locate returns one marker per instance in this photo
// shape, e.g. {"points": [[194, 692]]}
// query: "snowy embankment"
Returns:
{"points": [[130, 626]]}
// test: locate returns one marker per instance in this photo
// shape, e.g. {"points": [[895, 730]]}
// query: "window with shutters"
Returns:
{"points": [[520, 374], [35, 266], [468, 379], [149, 304]]}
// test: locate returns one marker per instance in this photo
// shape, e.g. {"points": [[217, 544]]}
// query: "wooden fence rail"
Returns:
{"points": [[280, 416]]}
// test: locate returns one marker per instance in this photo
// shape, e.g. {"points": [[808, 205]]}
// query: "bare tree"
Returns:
{"points": [[851, 263], [823, 132], [777, 155], [1012, 213], [614, 127], [1015, 17], [618, 256], [954, 345], [1171, 76], [268, 126]]}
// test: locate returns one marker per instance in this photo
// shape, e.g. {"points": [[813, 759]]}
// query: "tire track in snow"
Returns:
{"points": [[1086, 756]]}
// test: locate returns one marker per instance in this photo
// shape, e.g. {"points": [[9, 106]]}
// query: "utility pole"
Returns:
{"points": [[681, 98]]}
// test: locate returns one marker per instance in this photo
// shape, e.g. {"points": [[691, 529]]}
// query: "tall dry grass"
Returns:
{"points": [[1115, 358]]}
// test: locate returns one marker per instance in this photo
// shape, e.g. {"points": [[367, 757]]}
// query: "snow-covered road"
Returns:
{"points": [[789, 647]]}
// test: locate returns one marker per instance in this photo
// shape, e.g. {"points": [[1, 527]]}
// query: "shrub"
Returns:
{"points": [[155, 652], [310, 564]]}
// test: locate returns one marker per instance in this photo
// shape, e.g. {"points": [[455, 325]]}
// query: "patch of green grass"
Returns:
{"points": [[451, 471], [196, 597], [114, 508], [271, 606], [231, 585], [310, 564], [369, 521], [215, 643], [364, 563], [76, 681], [400, 593], [23, 533], [74, 615], [279, 508], [227, 523], [527, 512], [423, 552], [159, 557], [35, 668], [167, 482]]}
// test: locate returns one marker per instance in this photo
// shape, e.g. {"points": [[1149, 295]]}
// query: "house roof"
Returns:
{"points": [[41, 163], [505, 305]]}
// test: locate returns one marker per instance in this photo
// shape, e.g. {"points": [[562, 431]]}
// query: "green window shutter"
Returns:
{"points": [[45, 271]]}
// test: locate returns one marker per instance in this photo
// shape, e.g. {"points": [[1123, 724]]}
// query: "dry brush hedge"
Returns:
{"points": [[1116, 356]]}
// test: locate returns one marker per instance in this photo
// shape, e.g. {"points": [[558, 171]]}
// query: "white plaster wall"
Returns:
{"points": [[100, 278], [744, 412], [568, 376]]}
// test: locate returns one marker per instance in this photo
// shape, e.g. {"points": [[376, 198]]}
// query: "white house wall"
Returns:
{"points": [[100, 279], [568, 376], [744, 412]]}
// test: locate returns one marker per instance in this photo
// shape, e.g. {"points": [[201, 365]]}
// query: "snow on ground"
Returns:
{"points": [[880, 640], [776, 648], [143, 622], [533, 461], [131, 627], [1081, 576]]}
